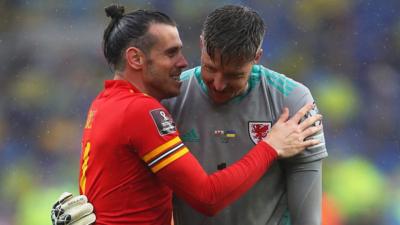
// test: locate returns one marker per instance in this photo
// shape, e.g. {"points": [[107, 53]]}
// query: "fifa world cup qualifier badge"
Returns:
{"points": [[163, 121], [312, 112], [319, 135]]}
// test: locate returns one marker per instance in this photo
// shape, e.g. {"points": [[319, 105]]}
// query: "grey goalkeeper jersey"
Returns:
{"points": [[219, 135]]}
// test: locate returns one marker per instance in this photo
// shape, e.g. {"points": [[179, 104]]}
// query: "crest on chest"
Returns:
{"points": [[258, 130]]}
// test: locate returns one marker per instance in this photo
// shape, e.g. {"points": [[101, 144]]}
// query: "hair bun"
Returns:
{"points": [[115, 11]]}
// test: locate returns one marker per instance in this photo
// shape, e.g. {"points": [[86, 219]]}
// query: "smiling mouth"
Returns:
{"points": [[219, 92]]}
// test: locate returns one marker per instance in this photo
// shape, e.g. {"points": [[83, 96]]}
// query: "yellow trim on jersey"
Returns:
{"points": [[160, 149], [170, 159], [84, 167]]}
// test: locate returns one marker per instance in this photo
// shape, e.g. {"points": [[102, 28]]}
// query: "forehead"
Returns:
{"points": [[216, 63], [166, 35]]}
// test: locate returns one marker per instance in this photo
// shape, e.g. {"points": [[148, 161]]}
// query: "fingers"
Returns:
{"points": [[311, 131], [284, 116], [310, 121], [75, 201], [62, 220], [302, 112], [310, 142], [89, 219], [79, 212], [63, 198]]}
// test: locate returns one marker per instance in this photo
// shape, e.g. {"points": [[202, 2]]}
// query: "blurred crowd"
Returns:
{"points": [[346, 51]]}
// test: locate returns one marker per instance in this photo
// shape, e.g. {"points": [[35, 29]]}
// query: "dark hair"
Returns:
{"points": [[235, 31], [130, 29]]}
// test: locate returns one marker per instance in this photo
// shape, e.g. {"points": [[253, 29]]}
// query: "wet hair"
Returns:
{"points": [[125, 30], [235, 31]]}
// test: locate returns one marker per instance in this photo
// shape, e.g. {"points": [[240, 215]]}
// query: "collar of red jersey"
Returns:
{"points": [[120, 84]]}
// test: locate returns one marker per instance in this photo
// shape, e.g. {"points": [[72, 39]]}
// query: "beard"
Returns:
{"points": [[161, 83]]}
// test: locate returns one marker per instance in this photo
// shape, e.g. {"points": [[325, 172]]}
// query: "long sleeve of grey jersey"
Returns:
{"points": [[304, 192], [294, 101]]}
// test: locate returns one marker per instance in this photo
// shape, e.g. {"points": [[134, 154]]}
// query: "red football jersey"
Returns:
{"points": [[125, 130], [132, 157]]}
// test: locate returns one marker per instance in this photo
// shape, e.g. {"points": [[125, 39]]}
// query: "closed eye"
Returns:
{"points": [[210, 69], [234, 75], [171, 52]]}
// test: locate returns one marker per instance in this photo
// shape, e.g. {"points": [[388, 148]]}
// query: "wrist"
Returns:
{"points": [[270, 148]]}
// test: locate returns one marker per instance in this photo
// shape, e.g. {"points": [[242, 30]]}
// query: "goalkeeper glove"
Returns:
{"points": [[69, 210]]}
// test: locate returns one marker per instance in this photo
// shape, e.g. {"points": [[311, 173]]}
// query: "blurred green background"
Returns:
{"points": [[346, 51]]}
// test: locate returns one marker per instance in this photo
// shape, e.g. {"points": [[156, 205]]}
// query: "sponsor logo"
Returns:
{"points": [[258, 130], [190, 136], [225, 135], [164, 123]]}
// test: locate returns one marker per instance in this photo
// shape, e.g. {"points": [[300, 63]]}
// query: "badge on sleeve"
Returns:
{"points": [[311, 113], [164, 123]]}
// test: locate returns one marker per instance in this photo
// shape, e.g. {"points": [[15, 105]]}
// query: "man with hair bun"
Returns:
{"points": [[132, 156]]}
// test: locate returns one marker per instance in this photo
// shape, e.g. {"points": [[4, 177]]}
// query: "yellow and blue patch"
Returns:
{"points": [[225, 135]]}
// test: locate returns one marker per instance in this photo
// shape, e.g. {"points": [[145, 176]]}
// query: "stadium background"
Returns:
{"points": [[346, 51]]}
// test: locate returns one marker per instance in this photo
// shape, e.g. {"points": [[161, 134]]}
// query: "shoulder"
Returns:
{"points": [[141, 104], [279, 82], [147, 111], [283, 84], [286, 92]]}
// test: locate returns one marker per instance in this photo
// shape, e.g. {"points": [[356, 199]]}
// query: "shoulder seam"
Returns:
{"points": [[279, 81]]}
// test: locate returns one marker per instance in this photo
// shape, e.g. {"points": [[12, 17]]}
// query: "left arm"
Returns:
{"points": [[304, 171], [304, 192]]}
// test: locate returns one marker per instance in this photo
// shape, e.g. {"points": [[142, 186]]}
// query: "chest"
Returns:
{"points": [[220, 135]]}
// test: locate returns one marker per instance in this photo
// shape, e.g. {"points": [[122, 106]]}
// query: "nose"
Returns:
{"points": [[219, 83], [182, 62]]}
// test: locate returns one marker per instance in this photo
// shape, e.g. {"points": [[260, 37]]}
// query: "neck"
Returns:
{"points": [[131, 79], [136, 81]]}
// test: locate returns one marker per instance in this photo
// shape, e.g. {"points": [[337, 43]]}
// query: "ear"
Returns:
{"points": [[201, 42], [258, 55], [134, 57]]}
